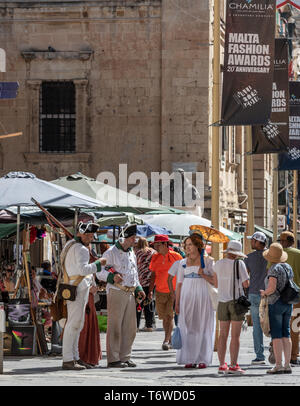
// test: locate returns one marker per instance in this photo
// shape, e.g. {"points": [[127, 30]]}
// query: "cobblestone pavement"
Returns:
{"points": [[154, 367]]}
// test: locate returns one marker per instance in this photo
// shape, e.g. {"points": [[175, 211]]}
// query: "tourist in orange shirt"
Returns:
{"points": [[160, 264]]}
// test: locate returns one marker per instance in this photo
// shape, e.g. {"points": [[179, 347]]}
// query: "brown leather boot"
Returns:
{"points": [[72, 366], [86, 365]]}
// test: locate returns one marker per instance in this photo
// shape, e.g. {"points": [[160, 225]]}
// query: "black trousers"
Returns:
{"points": [[149, 311]]}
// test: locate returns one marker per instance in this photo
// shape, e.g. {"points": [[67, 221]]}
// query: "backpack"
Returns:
{"points": [[290, 294]]}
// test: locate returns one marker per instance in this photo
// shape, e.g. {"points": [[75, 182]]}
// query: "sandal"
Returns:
{"points": [[190, 366], [276, 370], [202, 366]]}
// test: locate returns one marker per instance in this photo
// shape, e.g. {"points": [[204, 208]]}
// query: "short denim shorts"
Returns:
{"points": [[280, 316]]}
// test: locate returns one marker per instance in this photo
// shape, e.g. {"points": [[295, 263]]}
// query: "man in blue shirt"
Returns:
{"points": [[257, 268]]}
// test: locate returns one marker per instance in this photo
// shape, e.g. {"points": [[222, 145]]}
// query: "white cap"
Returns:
{"points": [[235, 247], [258, 236]]}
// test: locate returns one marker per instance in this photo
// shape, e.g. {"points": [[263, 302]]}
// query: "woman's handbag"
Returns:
{"points": [[213, 293], [264, 316], [176, 339], [290, 294], [242, 304]]}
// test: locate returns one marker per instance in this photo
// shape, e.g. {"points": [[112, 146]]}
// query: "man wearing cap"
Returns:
{"points": [[75, 259], [257, 269], [287, 241], [160, 264], [121, 304]]}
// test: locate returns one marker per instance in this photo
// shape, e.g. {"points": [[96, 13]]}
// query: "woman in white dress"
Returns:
{"points": [[193, 304]]}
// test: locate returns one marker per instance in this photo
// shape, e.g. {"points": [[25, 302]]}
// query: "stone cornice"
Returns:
{"points": [[49, 55]]}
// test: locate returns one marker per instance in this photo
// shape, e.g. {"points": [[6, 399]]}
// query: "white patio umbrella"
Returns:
{"points": [[18, 188], [179, 224]]}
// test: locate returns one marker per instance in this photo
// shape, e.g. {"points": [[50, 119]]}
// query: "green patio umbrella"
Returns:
{"points": [[115, 198], [118, 221], [10, 229]]}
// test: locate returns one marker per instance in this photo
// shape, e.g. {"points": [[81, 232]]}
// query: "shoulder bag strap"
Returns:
{"points": [[67, 279], [238, 275], [234, 266], [65, 275], [78, 280]]}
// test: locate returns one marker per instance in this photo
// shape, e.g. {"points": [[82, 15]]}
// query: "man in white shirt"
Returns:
{"points": [[75, 258], [227, 314], [121, 305]]}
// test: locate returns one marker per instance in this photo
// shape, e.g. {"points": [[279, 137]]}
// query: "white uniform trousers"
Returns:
{"points": [[74, 325], [121, 325]]}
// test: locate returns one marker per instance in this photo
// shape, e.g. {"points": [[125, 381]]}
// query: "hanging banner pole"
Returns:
{"points": [[249, 163], [2, 331], [215, 171], [18, 239]]}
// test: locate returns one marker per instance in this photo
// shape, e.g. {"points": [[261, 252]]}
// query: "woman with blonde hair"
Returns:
{"points": [[193, 304], [143, 257]]}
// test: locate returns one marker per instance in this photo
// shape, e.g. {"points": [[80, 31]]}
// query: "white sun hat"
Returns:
{"points": [[235, 247]]}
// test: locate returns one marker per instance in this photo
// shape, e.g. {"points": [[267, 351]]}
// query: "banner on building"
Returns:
{"points": [[248, 62], [273, 137], [291, 160]]}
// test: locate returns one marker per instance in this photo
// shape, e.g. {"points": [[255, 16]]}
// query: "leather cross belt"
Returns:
{"points": [[130, 289], [72, 278]]}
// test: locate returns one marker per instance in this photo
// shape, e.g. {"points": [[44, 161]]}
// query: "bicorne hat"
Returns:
{"points": [[86, 228]]}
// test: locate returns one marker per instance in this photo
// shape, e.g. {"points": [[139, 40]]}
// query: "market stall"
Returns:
{"points": [[25, 306]]}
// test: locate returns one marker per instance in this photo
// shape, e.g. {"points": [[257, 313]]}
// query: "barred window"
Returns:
{"points": [[57, 117]]}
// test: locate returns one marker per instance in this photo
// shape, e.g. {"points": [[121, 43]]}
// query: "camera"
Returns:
{"points": [[242, 300]]}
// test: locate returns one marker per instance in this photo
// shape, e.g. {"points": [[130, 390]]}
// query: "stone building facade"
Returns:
{"points": [[140, 76]]}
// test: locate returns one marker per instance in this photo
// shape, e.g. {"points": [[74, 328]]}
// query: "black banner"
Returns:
{"points": [[248, 62], [291, 160], [273, 137]]}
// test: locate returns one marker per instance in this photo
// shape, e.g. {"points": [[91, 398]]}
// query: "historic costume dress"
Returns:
{"points": [[89, 340]]}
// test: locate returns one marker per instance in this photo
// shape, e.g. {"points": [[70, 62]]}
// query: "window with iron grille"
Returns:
{"points": [[57, 117]]}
